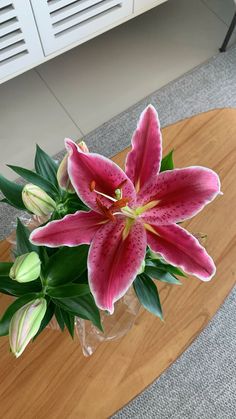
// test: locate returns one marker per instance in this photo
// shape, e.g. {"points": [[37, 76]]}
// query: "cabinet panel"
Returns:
{"points": [[20, 46], [64, 22]]}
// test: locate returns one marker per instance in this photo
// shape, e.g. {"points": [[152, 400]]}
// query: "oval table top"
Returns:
{"points": [[52, 379]]}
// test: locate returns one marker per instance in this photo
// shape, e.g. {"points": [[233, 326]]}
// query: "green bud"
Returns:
{"points": [[37, 201], [83, 147], [63, 177], [26, 268], [25, 323], [62, 173]]}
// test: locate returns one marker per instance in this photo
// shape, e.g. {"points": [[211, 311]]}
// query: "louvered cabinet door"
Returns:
{"points": [[143, 5], [64, 22], [19, 41]]}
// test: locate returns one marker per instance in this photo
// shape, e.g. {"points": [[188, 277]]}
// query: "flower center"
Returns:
{"points": [[119, 205]]}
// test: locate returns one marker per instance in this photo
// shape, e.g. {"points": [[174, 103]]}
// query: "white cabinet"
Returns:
{"points": [[20, 46], [64, 22], [143, 5], [34, 31]]}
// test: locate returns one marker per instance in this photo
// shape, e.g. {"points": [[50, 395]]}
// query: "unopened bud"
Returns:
{"points": [[63, 177], [26, 268], [62, 173], [25, 323], [37, 201], [83, 147]]}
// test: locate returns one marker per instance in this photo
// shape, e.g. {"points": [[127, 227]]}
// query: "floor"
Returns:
{"points": [[76, 92]]}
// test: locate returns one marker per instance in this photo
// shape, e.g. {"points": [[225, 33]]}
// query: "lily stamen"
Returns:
{"points": [[92, 185], [120, 203], [106, 211], [92, 189]]}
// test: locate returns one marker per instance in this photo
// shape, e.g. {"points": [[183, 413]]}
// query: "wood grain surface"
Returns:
{"points": [[52, 379]]}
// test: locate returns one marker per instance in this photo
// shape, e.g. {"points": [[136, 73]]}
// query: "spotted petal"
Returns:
{"points": [[179, 194], [86, 169], [180, 248], [72, 230], [143, 161], [115, 256]]}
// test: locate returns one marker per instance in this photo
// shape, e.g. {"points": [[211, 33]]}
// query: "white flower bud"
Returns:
{"points": [[26, 268], [25, 323], [37, 201]]}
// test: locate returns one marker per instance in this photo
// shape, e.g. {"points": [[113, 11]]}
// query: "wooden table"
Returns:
{"points": [[53, 380]]}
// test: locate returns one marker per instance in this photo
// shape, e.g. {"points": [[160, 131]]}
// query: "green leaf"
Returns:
{"points": [[167, 162], [5, 268], [36, 179], [8, 286], [22, 240], [12, 192], [47, 317], [161, 275], [147, 294], [82, 279], [43, 255], [69, 320], [66, 265], [70, 290], [165, 267], [83, 307], [45, 166], [173, 269], [10, 311], [74, 204], [59, 318]]}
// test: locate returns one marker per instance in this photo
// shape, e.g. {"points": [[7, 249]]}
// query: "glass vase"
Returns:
{"points": [[115, 326]]}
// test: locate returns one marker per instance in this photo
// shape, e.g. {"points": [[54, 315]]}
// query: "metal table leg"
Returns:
{"points": [[228, 35]]}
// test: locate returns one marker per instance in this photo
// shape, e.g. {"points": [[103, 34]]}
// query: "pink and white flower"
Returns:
{"points": [[130, 210]]}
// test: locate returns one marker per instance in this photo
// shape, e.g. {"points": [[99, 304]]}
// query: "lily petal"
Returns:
{"points": [[180, 248], [143, 161], [86, 169], [72, 230], [115, 256], [180, 194]]}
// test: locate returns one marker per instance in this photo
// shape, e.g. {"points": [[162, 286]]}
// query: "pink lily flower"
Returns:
{"points": [[130, 210]]}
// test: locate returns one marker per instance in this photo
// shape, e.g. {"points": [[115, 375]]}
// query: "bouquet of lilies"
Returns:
{"points": [[102, 231]]}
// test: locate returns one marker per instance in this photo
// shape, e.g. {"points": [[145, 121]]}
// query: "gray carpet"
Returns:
{"points": [[202, 383]]}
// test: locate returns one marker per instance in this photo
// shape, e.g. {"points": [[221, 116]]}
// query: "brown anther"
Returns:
{"points": [[106, 211], [92, 185], [120, 186], [120, 203]]}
